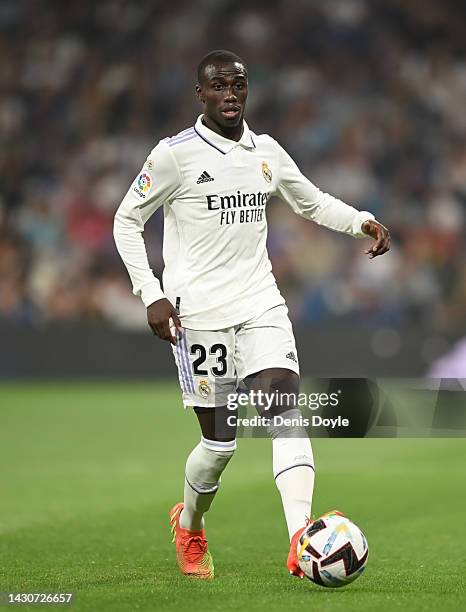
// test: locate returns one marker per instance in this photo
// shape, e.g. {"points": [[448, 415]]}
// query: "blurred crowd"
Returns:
{"points": [[368, 97]]}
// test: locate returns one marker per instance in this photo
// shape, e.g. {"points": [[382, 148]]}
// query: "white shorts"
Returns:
{"points": [[211, 364]]}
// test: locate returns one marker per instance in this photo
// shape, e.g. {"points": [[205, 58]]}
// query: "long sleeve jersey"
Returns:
{"points": [[214, 192]]}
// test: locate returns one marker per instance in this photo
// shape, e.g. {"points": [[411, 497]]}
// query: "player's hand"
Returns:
{"points": [[158, 316], [380, 234]]}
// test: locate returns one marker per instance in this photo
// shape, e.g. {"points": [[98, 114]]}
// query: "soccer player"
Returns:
{"points": [[220, 306]]}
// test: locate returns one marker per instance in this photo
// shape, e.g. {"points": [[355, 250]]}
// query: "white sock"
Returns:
{"points": [[203, 469], [293, 470]]}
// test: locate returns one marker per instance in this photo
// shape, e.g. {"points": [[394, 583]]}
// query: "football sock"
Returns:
{"points": [[293, 469], [203, 469]]}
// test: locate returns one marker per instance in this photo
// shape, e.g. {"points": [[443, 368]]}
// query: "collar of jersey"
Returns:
{"points": [[224, 145]]}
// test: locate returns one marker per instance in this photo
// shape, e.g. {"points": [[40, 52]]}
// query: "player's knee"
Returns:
{"points": [[280, 388], [274, 379], [286, 388]]}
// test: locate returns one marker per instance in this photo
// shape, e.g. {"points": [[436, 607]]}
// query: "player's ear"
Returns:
{"points": [[199, 93]]}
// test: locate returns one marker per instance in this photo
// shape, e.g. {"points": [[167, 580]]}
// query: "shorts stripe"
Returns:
{"points": [[181, 363], [188, 363], [183, 359]]}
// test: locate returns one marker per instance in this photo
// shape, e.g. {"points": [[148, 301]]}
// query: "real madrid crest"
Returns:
{"points": [[204, 388], [266, 172]]}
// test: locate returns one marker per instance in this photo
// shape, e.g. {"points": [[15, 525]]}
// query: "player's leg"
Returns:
{"points": [[206, 463], [266, 359], [293, 463], [206, 370]]}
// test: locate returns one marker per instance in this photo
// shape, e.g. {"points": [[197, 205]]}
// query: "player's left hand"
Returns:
{"points": [[382, 236]]}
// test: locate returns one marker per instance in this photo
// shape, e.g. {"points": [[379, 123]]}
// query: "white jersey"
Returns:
{"points": [[214, 192]]}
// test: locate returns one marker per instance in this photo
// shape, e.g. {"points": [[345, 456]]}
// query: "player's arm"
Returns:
{"points": [[156, 184], [310, 202]]}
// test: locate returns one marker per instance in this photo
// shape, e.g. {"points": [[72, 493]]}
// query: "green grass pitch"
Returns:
{"points": [[88, 473]]}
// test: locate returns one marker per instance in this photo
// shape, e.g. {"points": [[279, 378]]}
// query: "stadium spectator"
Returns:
{"points": [[372, 111]]}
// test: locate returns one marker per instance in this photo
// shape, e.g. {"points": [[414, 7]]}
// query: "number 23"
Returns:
{"points": [[220, 350]]}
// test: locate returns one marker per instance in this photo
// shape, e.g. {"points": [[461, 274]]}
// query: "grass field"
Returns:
{"points": [[88, 473]]}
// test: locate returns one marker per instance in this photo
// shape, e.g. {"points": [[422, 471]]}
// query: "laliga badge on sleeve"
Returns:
{"points": [[143, 185]]}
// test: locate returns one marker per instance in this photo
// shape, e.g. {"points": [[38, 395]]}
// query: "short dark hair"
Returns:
{"points": [[220, 55]]}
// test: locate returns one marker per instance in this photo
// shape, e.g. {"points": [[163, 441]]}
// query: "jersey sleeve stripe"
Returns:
{"points": [[182, 135], [177, 142]]}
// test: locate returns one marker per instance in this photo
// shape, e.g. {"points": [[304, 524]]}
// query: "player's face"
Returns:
{"points": [[223, 91]]}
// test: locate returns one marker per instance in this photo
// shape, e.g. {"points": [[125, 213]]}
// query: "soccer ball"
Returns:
{"points": [[332, 551]]}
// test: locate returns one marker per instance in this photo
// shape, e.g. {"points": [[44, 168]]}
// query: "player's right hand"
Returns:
{"points": [[158, 316]]}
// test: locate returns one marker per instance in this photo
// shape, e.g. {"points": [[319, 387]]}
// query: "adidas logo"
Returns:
{"points": [[291, 356], [204, 178]]}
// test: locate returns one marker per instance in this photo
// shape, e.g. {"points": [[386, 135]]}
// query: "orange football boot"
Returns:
{"points": [[192, 554], [292, 561]]}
